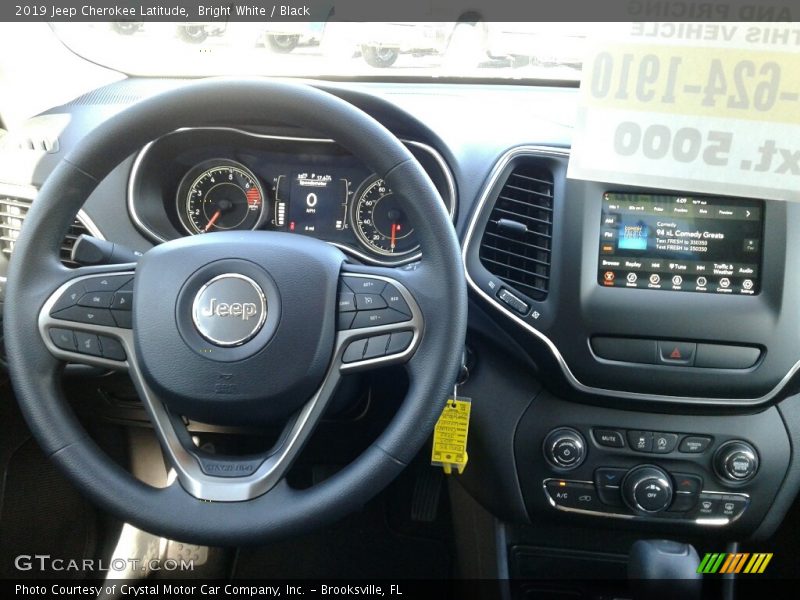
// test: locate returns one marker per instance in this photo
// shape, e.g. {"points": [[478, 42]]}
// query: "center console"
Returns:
{"points": [[664, 328], [685, 471]]}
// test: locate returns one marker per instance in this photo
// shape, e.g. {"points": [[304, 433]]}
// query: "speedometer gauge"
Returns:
{"points": [[379, 220], [220, 195]]}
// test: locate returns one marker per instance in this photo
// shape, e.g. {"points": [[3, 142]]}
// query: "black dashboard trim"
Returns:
{"points": [[452, 201], [546, 151]]}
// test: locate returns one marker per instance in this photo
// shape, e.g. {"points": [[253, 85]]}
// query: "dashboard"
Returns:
{"points": [[202, 180], [612, 327]]}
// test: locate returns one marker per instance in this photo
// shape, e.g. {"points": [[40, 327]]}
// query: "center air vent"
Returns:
{"points": [[517, 242], [12, 214]]}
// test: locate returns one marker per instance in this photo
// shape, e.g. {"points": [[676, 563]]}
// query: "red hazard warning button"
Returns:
{"points": [[676, 353]]}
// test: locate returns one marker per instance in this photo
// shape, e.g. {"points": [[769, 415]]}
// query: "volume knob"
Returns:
{"points": [[564, 448]]}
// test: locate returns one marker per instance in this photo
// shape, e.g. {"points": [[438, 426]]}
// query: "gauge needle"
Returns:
{"points": [[395, 227], [212, 220]]}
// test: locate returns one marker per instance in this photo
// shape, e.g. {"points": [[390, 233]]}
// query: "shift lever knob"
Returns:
{"points": [[662, 569]]}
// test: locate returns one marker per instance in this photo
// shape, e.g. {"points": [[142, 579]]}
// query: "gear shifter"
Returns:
{"points": [[663, 569]]}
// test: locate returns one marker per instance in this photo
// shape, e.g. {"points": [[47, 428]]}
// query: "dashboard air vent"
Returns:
{"points": [[12, 214], [517, 242]]}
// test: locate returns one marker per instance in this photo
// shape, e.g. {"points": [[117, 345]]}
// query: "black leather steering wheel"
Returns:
{"points": [[233, 327]]}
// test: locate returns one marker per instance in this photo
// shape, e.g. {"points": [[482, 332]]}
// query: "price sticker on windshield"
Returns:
{"points": [[700, 107]]}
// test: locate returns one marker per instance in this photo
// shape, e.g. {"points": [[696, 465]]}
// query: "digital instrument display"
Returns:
{"points": [[681, 243], [318, 204]]}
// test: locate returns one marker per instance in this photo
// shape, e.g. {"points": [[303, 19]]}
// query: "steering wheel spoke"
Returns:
{"points": [[223, 478], [88, 318], [379, 322]]}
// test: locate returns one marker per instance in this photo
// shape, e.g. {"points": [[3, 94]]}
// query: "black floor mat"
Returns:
{"points": [[41, 513], [377, 542]]}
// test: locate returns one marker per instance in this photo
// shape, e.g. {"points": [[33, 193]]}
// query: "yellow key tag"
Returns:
{"points": [[450, 435]]}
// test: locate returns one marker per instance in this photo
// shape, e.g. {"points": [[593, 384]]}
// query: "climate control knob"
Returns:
{"points": [[647, 489], [736, 462], [564, 448]]}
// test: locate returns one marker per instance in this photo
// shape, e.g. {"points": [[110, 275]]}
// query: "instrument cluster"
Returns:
{"points": [[220, 179]]}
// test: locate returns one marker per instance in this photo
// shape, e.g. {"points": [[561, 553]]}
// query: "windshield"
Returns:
{"points": [[422, 50]]}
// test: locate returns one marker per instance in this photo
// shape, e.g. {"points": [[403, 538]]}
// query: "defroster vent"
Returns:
{"points": [[12, 214], [517, 242]]}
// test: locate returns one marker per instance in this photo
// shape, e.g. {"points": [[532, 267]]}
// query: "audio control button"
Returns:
{"points": [[564, 448]]}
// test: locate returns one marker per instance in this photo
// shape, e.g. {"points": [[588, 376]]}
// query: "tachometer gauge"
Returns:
{"points": [[220, 195], [379, 220]]}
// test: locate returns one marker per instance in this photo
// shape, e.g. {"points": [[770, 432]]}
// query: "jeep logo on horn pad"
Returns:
{"points": [[229, 310]]}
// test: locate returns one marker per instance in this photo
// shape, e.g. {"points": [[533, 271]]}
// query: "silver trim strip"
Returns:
{"points": [[536, 151], [708, 522], [448, 175], [270, 472], [29, 192]]}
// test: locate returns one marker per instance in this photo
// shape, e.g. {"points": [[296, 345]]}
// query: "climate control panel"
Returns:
{"points": [[650, 470]]}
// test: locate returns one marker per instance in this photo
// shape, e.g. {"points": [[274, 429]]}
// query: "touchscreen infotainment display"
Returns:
{"points": [[681, 243]]}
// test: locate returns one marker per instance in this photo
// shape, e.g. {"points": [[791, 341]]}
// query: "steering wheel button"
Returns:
{"points": [[364, 285], [122, 300], [63, 338], [344, 320], [83, 314], [96, 299], [399, 342], [88, 343], [394, 299], [376, 346], [369, 302], [123, 318], [69, 298], [373, 318], [106, 284], [355, 351], [347, 302], [111, 348]]}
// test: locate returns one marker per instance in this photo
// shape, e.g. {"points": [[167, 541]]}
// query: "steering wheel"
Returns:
{"points": [[234, 327]]}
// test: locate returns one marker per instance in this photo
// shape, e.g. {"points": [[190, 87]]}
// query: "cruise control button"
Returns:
{"points": [[364, 285], [609, 438], [344, 320], [694, 444], [63, 338], [394, 299], [106, 284], [355, 351], [123, 318], [399, 342], [69, 298], [376, 346], [122, 301], [96, 299], [373, 318], [81, 314], [369, 302], [347, 302], [88, 343], [664, 443], [641, 441], [111, 348]]}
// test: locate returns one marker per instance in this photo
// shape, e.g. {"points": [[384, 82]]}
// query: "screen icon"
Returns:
{"points": [[655, 279], [702, 281], [724, 282], [632, 277]]}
